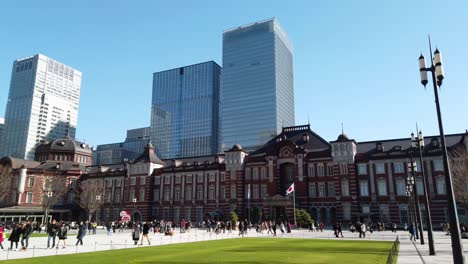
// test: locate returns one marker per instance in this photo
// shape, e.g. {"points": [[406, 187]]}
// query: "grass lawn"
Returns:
{"points": [[245, 250], [43, 234]]}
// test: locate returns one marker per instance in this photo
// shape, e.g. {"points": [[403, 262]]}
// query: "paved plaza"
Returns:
{"points": [[410, 252]]}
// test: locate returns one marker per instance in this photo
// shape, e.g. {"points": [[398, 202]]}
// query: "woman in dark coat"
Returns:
{"points": [[15, 236], [136, 233], [62, 235], [81, 233]]}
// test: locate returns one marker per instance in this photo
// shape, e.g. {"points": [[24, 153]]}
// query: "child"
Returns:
{"points": [[1, 236]]}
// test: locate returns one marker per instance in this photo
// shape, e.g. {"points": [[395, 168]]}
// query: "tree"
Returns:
{"points": [[5, 178], [459, 169], [303, 218], [91, 196], [54, 189], [233, 216]]}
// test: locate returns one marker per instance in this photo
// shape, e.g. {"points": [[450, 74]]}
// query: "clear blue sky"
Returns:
{"points": [[354, 61]]}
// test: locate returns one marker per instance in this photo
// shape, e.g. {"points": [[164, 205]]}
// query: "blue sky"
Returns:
{"points": [[355, 62]]}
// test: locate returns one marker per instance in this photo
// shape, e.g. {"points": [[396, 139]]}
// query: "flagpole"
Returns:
{"points": [[294, 204]]}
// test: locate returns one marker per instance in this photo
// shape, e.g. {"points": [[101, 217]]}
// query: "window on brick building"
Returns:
{"points": [[312, 191], [131, 196], [362, 169], [320, 170], [117, 197], [346, 211], [264, 191], [419, 186], [199, 192], [188, 193], [167, 194], [256, 192], [211, 177], [364, 188], [233, 191], [345, 187], [255, 173], [398, 167], [438, 165], [321, 190], [311, 170], [178, 179], [263, 173], [247, 173], [401, 186], [440, 185], [200, 178], [31, 181], [177, 194], [331, 189], [29, 197], [222, 193], [132, 180], [382, 187], [188, 179], [211, 193], [330, 169], [380, 168], [344, 168], [142, 195], [223, 176]]}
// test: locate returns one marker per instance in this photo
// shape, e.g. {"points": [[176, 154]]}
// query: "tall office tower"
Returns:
{"points": [[130, 149], [185, 111], [2, 126], [257, 95], [42, 104]]}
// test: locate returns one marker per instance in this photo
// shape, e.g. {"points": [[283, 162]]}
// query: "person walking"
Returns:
{"points": [[81, 233], [362, 233], [412, 231], [62, 235], [146, 229], [340, 230], [27, 231], [241, 228], [135, 233], [109, 228], [1, 237], [52, 229], [15, 236]]}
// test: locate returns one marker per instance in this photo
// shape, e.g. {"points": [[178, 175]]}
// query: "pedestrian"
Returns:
{"points": [[282, 228], [1, 237], [27, 231], [81, 233], [394, 227], [135, 233], [109, 228], [15, 236], [52, 229], [362, 233], [62, 235], [146, 229], [114, 226], [340, 230], [412, 231]]}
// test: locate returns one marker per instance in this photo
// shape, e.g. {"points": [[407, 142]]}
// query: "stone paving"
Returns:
{"points": [[410, 252]]}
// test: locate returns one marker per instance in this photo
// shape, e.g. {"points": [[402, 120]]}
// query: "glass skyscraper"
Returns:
{"points": [[185, 111], [42, 105], [257, 95]]}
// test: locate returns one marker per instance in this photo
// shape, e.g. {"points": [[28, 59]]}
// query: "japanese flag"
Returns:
{"points": [[290, 189]]}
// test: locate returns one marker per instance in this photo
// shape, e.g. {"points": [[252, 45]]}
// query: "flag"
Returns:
{"points": [[290, 189]]}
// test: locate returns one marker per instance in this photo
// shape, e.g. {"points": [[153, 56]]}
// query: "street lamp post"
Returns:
{"points": [[134, 209], [416, 198], [419, 143], [410, 190], [98, 211], [437, 73]]}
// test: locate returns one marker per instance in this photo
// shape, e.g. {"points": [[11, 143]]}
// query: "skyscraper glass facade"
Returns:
{"points": [[42, 105], [185, 111], [257, 96]]}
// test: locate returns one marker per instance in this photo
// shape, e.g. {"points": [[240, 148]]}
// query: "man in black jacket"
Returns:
{"points": [[27, 231], [52, 229]]}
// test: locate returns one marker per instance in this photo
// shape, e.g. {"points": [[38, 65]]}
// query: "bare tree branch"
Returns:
{"points": [[459, 169], [54, 189], [91, 196], [5, 178]]}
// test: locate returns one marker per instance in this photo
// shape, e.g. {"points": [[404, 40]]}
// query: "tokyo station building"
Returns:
{"points": [[341, 180]]}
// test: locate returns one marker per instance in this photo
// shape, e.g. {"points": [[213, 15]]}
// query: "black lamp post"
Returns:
{"points": [[437, 73], [419, 143], [416, 197]]}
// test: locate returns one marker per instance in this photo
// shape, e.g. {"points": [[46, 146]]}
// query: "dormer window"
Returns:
{"points": [[379, 147], [397, 148], [305, 137], [435, 142]]}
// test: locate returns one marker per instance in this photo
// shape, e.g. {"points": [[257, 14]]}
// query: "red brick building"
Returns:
{"points": [[342, 180]]}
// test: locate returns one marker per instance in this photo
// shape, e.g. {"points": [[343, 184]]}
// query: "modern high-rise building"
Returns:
{"points": [[185, 111], [42, 105], [2, 126], [130, 149], [257, 95]]}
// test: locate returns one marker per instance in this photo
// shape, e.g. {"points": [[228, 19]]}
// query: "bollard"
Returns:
{"points": [[76, 249], [125, 244], [56, 250], [8, 253], [95, 244], [160, 243], [110, 246], [33, 250]]}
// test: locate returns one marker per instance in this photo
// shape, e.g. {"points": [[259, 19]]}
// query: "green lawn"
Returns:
{"points": [[42, 234], [245, 250]]}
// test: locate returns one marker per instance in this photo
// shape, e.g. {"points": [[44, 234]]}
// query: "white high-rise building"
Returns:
{"points": [[42, 105]]}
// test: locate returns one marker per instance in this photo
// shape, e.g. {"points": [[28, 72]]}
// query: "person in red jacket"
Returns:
{"points": [[1, 237]]}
